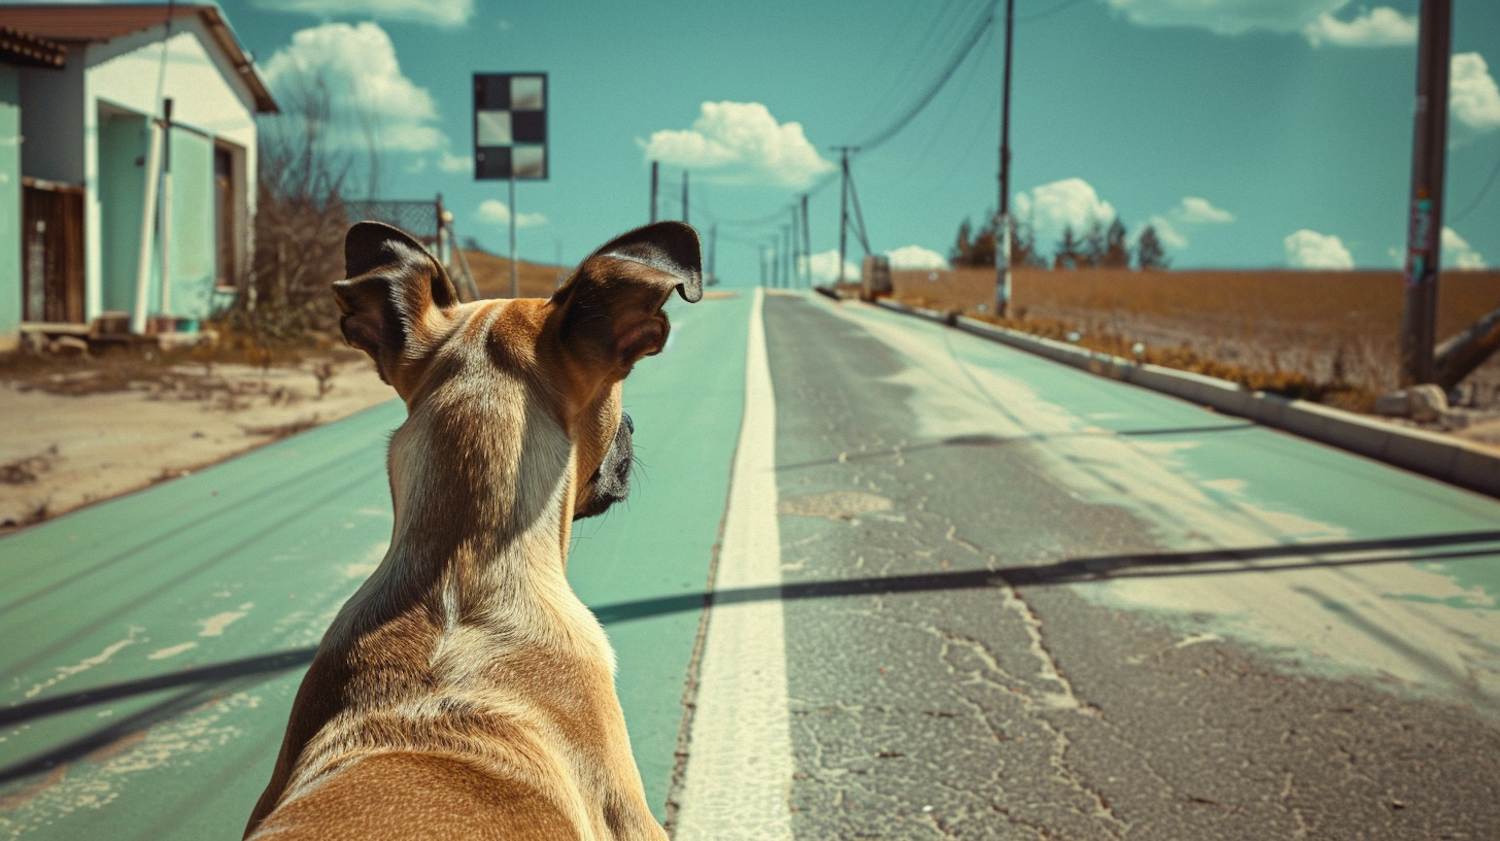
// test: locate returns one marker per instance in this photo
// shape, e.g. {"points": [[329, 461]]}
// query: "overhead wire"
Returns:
{"points": [[1483, 191]]}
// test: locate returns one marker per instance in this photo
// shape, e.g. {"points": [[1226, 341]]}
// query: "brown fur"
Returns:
{"points": [[464, 691]]}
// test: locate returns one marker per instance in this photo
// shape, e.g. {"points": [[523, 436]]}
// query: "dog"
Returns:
{"points": [[464, 691]]}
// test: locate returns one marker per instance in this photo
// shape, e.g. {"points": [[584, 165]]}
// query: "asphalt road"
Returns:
{"points": [[959, 592]]}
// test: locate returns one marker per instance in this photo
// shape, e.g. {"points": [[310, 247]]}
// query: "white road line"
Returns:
{"points": [[739, 770]]}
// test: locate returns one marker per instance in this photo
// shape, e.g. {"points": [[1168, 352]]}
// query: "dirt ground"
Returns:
{"points": [[1330, 337], [84, 430]]}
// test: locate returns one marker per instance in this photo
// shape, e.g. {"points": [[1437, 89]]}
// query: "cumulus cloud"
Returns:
{"points": [[1473, 98], [1458, 254], [824, 267], [449, 162], [1169, 235], [740, 143], [1307, 249], [916, 257], [1051, 207], [1379, 27], [495, 212], [1315, 20], [357, 66], [1196, 211], [444, 13]]}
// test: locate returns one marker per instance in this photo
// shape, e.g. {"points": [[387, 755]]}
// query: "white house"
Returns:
{"points": [[128, 220]]}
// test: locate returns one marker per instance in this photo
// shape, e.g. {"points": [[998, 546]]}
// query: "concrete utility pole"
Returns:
{"points": [[655, 171], [1002, 242], [1425, 220]]}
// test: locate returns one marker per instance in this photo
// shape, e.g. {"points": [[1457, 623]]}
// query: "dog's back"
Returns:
{"points": [[465, 691]]}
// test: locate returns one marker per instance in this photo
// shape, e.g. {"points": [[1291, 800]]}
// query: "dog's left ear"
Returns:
{"points": [[611, 307], [393, 284]]}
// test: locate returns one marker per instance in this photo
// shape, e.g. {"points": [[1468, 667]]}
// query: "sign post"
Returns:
{"points": [[510, 138]]}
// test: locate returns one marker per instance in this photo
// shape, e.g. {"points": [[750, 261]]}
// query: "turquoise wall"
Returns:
{"points": [[194, 240], [122, 185], [10, 207]]}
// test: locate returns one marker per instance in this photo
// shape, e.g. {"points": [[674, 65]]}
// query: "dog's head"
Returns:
{"points": [[485, 381]]}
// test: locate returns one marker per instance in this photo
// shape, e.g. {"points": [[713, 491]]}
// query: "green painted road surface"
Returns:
{"points": [[153, 644], [1012, 600]]}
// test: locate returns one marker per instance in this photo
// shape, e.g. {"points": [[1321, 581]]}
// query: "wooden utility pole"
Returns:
{"points": [[1425, 213], [655, 171], [843, 204], [806, 244], [1002, 236]]}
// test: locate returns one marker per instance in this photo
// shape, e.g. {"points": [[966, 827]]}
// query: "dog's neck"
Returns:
{"points": [[482, 491]]}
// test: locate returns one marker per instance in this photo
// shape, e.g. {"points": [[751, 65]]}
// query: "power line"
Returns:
{"points": [[1483, 191], [967, 47], [1047, 12]]}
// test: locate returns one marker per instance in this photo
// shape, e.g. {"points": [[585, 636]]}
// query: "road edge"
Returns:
{"points": [[1455, 462]]}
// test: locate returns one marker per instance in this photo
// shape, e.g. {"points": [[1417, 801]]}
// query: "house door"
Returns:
{"points": [[51, 253]]}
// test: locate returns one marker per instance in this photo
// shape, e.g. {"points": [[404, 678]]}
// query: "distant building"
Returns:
{"points": [[84, 159]]}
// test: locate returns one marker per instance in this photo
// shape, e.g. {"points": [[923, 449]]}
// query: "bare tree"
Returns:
{"points": [[305, 174]]}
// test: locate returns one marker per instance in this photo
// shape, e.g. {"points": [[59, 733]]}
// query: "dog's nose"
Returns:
{"points": [[629, 425]]}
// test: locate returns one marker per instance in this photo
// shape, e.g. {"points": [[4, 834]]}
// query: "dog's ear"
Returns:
{"points": [[611, 307], [392, 285]]}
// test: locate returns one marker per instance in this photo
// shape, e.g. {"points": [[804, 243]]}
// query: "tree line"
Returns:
{"points": [[1098, 245]]}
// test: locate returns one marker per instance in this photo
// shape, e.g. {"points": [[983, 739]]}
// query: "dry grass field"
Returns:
{"points": [[492, 275], [1330, 336]]}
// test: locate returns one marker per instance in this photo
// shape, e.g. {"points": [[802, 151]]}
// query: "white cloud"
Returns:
{"points": [[1311, 250], [916, 257], [740, 143], [445, 13], [825, 267], [1199, 211], [1169, 236], [1313, 19], [1458, 254], [1378, 27], [449, 162], [1227, 17], [357, 65], [495, 212], [1051, 207], [1473, 98]]}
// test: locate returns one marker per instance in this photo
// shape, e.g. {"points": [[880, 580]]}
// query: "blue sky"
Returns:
{"points": [[1253, 133]]}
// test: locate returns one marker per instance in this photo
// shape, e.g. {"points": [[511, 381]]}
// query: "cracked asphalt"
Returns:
{"points": [[945, 702]]}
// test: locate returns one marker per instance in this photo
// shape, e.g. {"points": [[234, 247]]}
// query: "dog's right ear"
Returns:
{"points": [[392, 288]]}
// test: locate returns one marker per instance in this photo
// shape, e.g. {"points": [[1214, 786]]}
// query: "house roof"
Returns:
{"points": [[17, 47], [75, 23]]}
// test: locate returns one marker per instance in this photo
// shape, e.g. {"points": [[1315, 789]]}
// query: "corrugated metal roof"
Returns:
{"points": [[90, 23], [17, 47]]}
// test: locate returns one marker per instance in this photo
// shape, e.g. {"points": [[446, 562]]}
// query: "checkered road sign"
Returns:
{"points": [[510, 126]]}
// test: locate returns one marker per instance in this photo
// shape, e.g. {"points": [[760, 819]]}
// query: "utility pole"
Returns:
{"points": [[1425, 221], [806, 245], [713, 244], [843, 205], [791, 261], [655, 171], [1002, 250], [684, 197]]}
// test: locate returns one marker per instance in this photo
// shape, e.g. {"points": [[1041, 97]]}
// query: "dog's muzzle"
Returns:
{"points": [[611, 482]]}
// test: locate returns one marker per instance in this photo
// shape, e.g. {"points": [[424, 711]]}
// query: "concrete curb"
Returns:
{"points": [[1455, 462]]}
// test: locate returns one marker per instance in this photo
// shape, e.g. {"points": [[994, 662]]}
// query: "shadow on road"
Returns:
{"points": [[200, 684], [986, 440]]}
